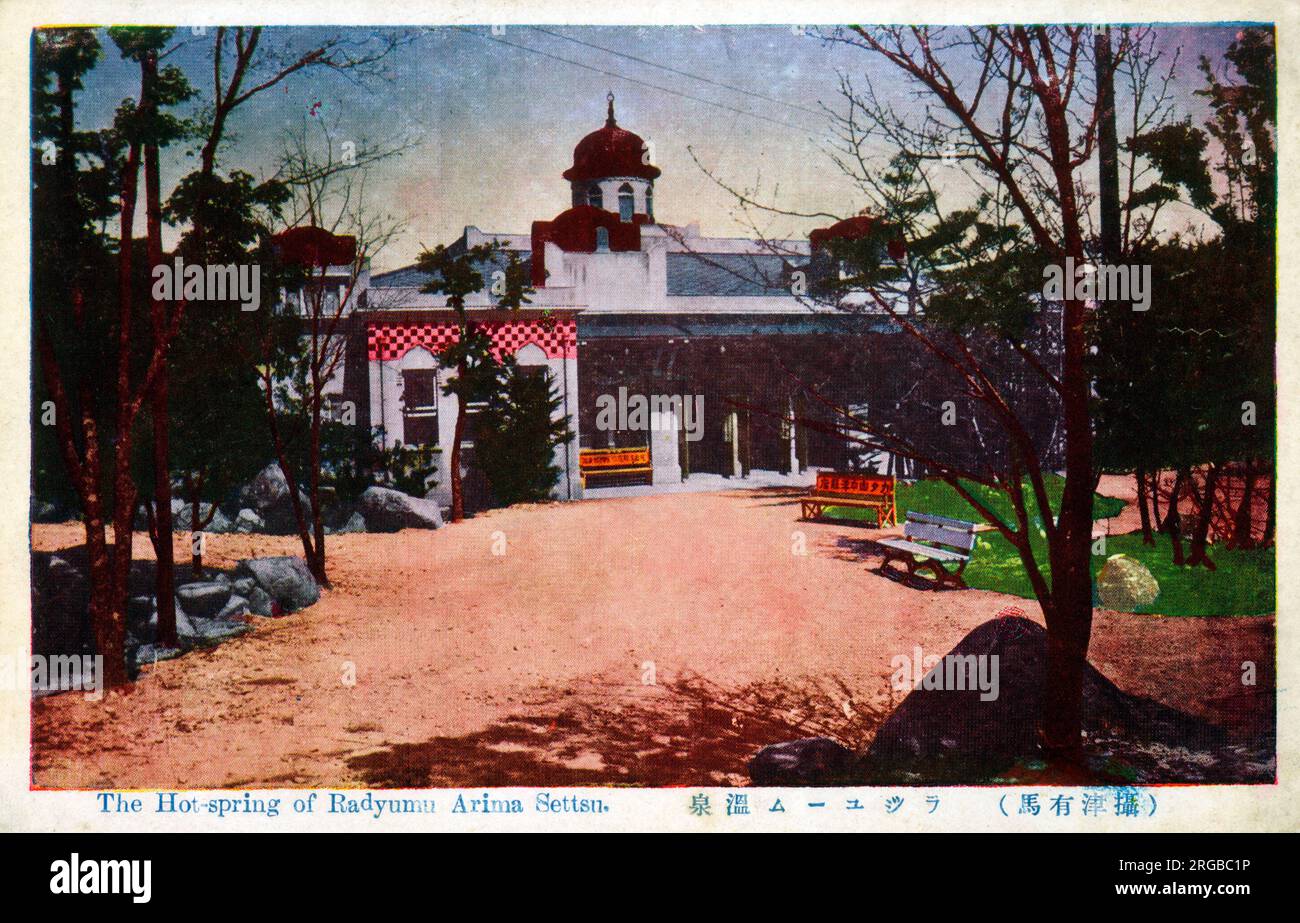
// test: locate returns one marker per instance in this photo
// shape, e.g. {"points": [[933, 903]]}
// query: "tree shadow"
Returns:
{"points": [[686, 733]]}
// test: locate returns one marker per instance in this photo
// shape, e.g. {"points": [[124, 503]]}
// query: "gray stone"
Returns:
{"points": [[141, 617], [260, 601], [957, 736], [387, 510], [244, 585], [247, 521], [1125, 583], [49, 511], [810, 761], [60, 606], [287, 580], [182, 515], [356, 523], [203, 600], [236, 607], [150, 653], [268, 496]]}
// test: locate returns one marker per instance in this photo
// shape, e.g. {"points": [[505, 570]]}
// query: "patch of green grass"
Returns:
{"points": [[1242, 583], [938, 498]]}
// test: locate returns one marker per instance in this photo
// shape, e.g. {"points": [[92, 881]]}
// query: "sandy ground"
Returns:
{"points": [[652, 640]]}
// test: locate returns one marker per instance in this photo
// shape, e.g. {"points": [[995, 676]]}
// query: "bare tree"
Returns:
{"points": [[1003, 121], [328, 184]]}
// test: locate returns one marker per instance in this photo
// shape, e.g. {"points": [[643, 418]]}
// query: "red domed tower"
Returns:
{"points": [[612, 171]]}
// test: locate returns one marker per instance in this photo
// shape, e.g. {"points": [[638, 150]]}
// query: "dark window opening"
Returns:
{"points": [[420, 407], [625, 203]]}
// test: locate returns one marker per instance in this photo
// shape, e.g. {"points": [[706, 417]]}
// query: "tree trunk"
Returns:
{"points": [[165, 575], [1069, 618], [1270, 520], [196, 549], [1205, 514], [1155, 498], [1173, 521], [1243, 521], [109, 632], [1147, 537], [457, 496]]}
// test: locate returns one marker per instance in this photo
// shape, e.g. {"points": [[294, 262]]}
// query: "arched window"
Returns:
{"points": [[650, 202], [625, 201], [602, 240], [593, 196]]}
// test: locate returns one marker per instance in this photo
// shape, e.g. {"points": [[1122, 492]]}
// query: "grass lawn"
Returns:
{"points": [[939, 499], [1242, 584]]}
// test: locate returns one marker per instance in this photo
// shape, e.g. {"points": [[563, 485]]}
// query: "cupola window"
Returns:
{"points": [[593, 197], [625, 202]]}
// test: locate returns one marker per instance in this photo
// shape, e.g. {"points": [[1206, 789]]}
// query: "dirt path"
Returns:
{"points": [[654, 640]]}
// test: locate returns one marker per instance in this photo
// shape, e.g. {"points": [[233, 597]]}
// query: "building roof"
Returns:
{"points": [[731, 274], [412, 277], [610, 151]]}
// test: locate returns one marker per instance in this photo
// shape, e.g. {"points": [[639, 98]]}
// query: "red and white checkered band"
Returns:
{"points": [[556, 336]]}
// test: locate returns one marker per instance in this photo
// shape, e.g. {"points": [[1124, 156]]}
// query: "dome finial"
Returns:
{"points": [[609, 122]]}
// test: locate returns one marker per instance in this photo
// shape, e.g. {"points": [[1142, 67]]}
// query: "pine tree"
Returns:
{"points": [[517, 433]]}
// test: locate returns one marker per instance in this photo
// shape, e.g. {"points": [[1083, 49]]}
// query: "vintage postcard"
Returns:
{"points": [[491, 419]]}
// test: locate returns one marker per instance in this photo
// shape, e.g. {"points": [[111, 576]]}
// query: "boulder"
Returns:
{"points": [[247, 521], [387, 510], [244, 585], [206, 632], [60, 606], [260, 602], [268, 496], [182, 514], [49, 511], [810, 761], [1124, 584], [287, 580], [356, 523], [236, 607], [961, 736], [142, 617], [203, 600], [151, 653]]}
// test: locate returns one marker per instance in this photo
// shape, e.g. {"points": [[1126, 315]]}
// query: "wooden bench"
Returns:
{"points": [[616, 464], [949, 543], [844, 488]]}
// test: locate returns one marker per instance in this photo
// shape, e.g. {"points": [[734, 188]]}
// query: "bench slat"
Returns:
{"points": [[961, 524], [940, 554], [828, 500], [940, 534]]}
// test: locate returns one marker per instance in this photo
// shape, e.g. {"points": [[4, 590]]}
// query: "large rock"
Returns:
{"points": [[49, 511], [387, 510], [268, 496], [954, 735], [218, 523], [142, 617], [260, 602], [208, 631], [60, 606], [247, 521], [1124, 583], [286, 580], [203, 600], [356, 523], [811, 761]]}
